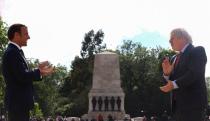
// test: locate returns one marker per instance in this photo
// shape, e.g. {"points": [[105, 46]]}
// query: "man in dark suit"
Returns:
{"points": [[185, 76], [18, 76]]}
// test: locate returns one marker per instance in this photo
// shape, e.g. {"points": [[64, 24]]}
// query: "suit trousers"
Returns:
{"points": [[18, 115], [190, 115]]}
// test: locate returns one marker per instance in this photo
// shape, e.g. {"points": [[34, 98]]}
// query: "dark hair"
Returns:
{"points": [[14, 28]]}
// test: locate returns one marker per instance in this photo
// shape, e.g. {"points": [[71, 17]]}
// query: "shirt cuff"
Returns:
{"points": [[166, 77], [174, 84]]}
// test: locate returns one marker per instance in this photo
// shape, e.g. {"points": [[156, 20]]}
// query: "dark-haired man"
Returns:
{"points": [[18, 76]]}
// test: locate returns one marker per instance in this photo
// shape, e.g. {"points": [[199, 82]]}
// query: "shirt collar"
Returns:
{"points": [[10, 42], [184, 48]]}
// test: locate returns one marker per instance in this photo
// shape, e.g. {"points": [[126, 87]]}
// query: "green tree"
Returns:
{"points": [[208, 92], [3, 37], [46, 91], [3, 43], [36, 112], [208, 87], [92, 43]]}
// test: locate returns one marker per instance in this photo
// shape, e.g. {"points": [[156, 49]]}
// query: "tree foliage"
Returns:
{"points": [[92, 43], [3, 43], [208, 87], [36, 112], [3, 37], [46, 91]]}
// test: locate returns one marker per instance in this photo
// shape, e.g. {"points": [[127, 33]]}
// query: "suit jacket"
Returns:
{"points": [[190, 79], [18, 78]]}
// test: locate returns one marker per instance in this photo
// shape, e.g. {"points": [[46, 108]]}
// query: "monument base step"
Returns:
{"points": [[116, 115]]}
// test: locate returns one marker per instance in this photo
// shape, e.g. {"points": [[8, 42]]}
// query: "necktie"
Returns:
{"points": [[22, 53], [177, 59]]}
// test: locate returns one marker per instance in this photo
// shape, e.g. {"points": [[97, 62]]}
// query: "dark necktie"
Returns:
{"points": [[177, 60], [22, 53]]}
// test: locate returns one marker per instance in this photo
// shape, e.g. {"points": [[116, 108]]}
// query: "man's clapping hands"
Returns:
{"points": [[45, 68]]}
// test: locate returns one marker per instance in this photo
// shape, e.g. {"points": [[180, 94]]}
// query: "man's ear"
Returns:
{"points": [[16, 35]]}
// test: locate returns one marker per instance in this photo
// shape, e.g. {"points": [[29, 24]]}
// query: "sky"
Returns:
{"points": [[57, 27]]}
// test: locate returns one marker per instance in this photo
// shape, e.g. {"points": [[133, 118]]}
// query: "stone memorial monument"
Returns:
{"points": [[106, 98]]}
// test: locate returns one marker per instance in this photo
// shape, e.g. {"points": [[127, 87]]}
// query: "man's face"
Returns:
{"points": [[175, 43], [23, 36]]}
